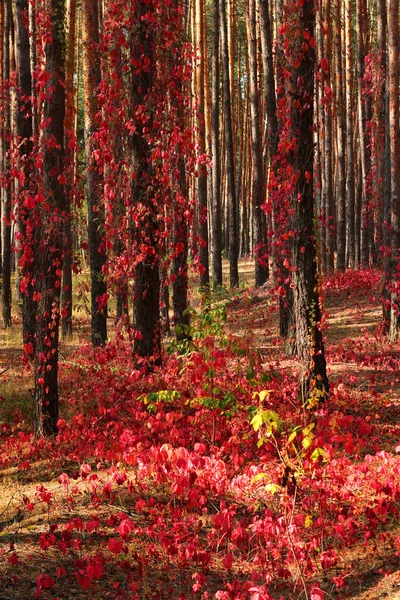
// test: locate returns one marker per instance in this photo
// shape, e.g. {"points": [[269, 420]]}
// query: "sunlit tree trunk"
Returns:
{"points": [[350, 179], [384, 174], [229, 150], [329, 202], [366, 225], [66, 294], [94, 179], [341, 132], [258, 179], [380, 123], [393, 71], [216, 217]]}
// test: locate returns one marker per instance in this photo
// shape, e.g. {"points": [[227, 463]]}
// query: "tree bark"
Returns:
{"points": [[258, 179], [49, 226], [147, 344], [94, 178], [364, 117], [26, 186], [201, 143], [341, 132], [393, 71], [306, 301], [66, 293], [350, 180], [229, 150], [216, 217], [6, 165], [329, 201]]}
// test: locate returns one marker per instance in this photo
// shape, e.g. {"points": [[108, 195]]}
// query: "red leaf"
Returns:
{"points": [[114, 545], [28, 348], [44, 581], [228, 561]]}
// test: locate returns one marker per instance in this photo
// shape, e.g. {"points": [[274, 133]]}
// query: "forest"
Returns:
{"points": [[200, 294]]}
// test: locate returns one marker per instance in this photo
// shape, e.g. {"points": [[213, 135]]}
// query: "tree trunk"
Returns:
{"points": [[201, 143], [229, 149], [26, 185], [258, 179], [216, 217], [147, 345], [350, 180], [306, 301], [6, 165], [387, 182], [271, 120], [393, 70], [380, 99], [94, 178], [366, 225], [33, 61], [66, 293], [341, 133], [49, 226], [329, 201]]}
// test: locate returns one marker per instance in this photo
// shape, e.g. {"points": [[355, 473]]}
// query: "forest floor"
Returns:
{"points": [[209, 479]]}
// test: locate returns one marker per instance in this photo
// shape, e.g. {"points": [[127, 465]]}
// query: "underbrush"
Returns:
{"points": [[206, 479]]}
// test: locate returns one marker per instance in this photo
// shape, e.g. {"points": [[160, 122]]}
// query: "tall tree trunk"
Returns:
{"points": [[94, 178], [26, 186], [393, 71], [147, 326], [380, 98], [329, 201], [66, 293], [341, 132], [3, 35], [271, 120], [33, 61], [387, 182], [179, 271], [6, 165], [229, 150], [366, 225], [49, 226], [307, 311], [201, 142], [258, 179], [350, 180], [216, 217]]}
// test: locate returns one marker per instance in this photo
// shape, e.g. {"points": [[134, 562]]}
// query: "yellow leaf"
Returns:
{"points": [[308, 521], [258, 477], [264, 394], [272, 488]]}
